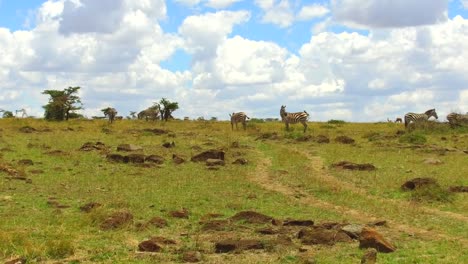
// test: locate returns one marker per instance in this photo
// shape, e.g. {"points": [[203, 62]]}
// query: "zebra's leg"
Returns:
{"points": [[305, 126], [232, 126], [287, 126], [244, 125]]}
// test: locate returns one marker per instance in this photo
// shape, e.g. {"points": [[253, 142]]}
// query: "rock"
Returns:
{"points": [[370, 257], [418, 183], [89, 207], [154, 159], [322, 236], [353, 230], [353, 166], [149, 246], [240, 161], [230, 245], [458, 189], [117, 220], [210, 154], [370, 238], [184, 213], [290, 222], [344, 140], [169, 145], [192, 256], [136, 158], [432, 161], [252, 217], [215, 162], [26, 162], [177, 159], [128, 147]]}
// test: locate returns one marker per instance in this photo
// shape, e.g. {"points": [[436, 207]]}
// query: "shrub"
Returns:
{"points": [[335, 121], [413, 138]]}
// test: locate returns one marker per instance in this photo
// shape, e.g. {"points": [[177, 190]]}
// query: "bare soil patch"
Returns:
{"points": [[209, 154], [347, 165]]}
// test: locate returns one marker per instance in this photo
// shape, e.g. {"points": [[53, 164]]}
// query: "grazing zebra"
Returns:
{"points": [[293, 118], [151, 113], [110, 113], [238, 118], [456, 119], [398, 120], [419, 117]]}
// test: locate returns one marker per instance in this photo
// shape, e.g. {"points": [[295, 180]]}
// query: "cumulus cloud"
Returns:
{"points": [[389, 13], [464, 3], [312, 11], [219, 4], [280, 13]]}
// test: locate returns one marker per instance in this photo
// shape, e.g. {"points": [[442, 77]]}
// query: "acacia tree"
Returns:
{"points": [[62, 104], [167, 108]]}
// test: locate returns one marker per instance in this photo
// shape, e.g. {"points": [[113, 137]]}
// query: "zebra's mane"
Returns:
{"points": [[428, 112]]}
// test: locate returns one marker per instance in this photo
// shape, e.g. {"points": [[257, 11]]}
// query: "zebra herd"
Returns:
{"points": [[154, 113]]}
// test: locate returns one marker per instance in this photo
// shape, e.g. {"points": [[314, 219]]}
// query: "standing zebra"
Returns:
{"points": [[238, 118], [456, 119], [293, 118], [419, 117], [151, 113], [110, 113]]}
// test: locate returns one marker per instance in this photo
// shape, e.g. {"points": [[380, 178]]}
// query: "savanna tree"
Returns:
{"points": [[62, 104], [167, 108]]}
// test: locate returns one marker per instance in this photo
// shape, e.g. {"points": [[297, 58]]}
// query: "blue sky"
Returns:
{"points": [[341, 59]]}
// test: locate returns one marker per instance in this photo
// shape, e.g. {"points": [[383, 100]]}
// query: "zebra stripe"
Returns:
{"points": [[413, 117], [293, 118], [110, 113], [239, 117], [456, 119], [151, 113]]}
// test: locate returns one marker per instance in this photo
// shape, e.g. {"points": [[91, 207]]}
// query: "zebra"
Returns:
{"points": [[456, 119], [293, 118], [110, 113], [398, 120], [240, 117], [149, 113], [419, 117]]}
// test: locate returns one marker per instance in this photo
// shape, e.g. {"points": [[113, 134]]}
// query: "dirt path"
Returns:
{"points": [[317, 165], [262, 178]]}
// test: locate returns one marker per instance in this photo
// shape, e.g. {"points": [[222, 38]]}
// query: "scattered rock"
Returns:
{"points": [[230, 245], [26, 162], [89, 207], [215, 162], [128, 147], [169, 145], [432, 161], [136, 158], [184, 213], [322, 236], [344, 140], [117, 158], [155, 159], [27, 129], [290, 222], [192, 256], [240, 161], [149, 246], [252, 217], [353, 230], [157, 222], [89, 146], [418, 183], [210, 154], [370, 257], [370, 238], [117, 220], [322, 139], [458, 188], [347, 165], [177, 159]]}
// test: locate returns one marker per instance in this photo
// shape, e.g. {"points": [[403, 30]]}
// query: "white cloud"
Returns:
{"points": [[219, 4], [280, 13], [389, 13], [312, 11], [464, 3]]}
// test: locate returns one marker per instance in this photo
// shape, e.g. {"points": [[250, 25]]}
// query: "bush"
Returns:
{"points": [[335, 121], [413, 138]]}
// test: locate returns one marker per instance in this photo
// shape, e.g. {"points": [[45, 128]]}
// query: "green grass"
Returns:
{"points": [[33, 229]]}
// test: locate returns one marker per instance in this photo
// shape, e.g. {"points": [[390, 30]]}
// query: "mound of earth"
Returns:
{"points": [[117, 220], [230, 245], [240, 161], [322, 139], [192, 256], [344, 140], [458, 188], [128, 147], [89, 146], [370, 238], [156, 131], [27, 129], [215, 225], [322, 236], [210, 154], [177, 159], [215, 162], [252, 217], [89, 207], [418, 183], [183, 213], [155, 159], [347, 165]]}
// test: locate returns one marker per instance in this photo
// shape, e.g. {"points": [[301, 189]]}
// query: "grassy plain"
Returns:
{"points": [[288, 175]]}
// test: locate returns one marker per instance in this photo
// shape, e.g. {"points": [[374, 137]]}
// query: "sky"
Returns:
{"points": [[354, 60]]}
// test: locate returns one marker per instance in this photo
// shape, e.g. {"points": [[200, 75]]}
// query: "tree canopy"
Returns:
{"points": [[62, 104], [168, 108]]}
